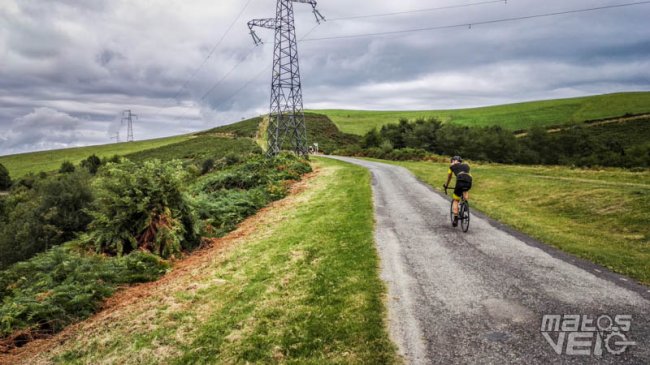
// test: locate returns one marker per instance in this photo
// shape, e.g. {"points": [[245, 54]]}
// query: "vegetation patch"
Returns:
{"points": [[41, 296], [623, 144], [299, 284], [133, 215]]}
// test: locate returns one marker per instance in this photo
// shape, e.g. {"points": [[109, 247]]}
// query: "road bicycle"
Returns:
{"points": [[463, 211]]}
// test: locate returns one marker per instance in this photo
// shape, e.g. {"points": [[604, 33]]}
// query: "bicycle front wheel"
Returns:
{"points": [[464, 216]]}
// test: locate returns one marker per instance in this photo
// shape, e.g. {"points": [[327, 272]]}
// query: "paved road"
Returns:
{"points": [[479, 297]]}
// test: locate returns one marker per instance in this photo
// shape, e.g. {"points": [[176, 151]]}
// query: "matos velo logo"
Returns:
{"points": [[574, 334]]}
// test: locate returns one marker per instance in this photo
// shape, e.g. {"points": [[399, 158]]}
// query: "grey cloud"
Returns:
{"points": [[91, 59]]}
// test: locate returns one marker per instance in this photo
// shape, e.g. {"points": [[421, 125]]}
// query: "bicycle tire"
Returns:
{"points": [[464, 214]]}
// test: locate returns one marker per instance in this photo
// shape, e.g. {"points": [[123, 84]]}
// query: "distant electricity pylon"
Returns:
{"points": [[127, 117], [116, 137], [286, 118]]}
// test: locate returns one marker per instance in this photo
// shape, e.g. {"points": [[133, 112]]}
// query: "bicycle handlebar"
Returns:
{"points": [[447, 188]]}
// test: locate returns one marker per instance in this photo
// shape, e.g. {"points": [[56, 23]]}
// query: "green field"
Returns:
{"points": [[513, 116], [22, 164], [303, 288], [599, 215]]}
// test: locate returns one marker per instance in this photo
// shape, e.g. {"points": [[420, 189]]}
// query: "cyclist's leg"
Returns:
{"points": [[455, 205], [458, 191]]}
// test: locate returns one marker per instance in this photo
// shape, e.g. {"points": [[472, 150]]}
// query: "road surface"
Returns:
{"points": [[479, 297]]}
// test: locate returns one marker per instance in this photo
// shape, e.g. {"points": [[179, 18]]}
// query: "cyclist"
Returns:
{"points": [[463, 182]]}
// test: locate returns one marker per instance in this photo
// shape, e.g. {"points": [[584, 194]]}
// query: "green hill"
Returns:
{"points": [[512, 116], [320, 129], [24, 163]]}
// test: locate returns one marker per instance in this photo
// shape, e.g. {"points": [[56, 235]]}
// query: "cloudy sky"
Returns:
{"points": [[68, 67]]}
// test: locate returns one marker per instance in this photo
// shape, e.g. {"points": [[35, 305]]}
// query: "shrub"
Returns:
{"points": [[207, 166], [66, 167], [5, 179], [142, 206], [48, 214], [227, 197], [92, 164], [56, 288]]}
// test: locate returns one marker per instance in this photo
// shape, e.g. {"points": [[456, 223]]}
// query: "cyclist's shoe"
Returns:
{"points": [[455, 224]]}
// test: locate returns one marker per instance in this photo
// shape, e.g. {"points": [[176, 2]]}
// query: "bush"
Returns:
{"points": [[207, 166], [227, 197], [47, 214], [66, 167], [92, 164], [5, 179], [142, 206], [48, 292]]}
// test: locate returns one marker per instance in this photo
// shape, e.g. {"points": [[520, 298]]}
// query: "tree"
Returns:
{"points": [[371, 139], [5, 179]]}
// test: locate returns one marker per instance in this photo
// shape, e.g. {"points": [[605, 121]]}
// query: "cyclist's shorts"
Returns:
{"points": [[461, 186]]}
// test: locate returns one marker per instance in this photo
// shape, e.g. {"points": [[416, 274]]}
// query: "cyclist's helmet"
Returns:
{"points": [[456, 158]]}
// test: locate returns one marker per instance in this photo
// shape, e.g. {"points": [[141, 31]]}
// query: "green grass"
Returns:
{"points": [[21, 164], [245, 128], [513, 116], [321, 130], [599, 215], [303, 288], [199, 147]]}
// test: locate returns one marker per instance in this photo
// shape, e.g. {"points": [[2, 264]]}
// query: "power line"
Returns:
{"points": [[223, 78], [223, 37], [264, 70], [469, 25], [251, 79], [418, 10]]}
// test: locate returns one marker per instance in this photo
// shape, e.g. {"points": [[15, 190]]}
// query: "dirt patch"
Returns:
{"points": [[184, 272]]}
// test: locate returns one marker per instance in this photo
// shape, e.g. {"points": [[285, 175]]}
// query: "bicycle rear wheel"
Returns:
{"points": [[464, 216]]}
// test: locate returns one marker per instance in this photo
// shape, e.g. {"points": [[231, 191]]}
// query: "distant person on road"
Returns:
{"points": [[463, 182]]}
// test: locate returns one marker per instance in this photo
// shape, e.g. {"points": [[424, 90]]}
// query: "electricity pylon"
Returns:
{"points": [[286, 117], [127, 117]]}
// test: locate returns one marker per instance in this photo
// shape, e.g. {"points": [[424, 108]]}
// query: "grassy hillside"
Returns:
{"points": [[197, 148], [320, 129], [245, 128], [512, 116], [599, 215], [298, 285], [22, 164]]}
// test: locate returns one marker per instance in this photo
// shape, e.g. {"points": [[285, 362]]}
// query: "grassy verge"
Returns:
{"points": [[512, 116], [22, 164], [303, 288], [599, 215]]}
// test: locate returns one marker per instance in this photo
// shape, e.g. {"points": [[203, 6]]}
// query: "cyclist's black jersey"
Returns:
{"points": [[461, 171]]}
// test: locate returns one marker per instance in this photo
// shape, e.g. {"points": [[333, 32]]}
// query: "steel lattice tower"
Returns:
{"points": [[286, 117], [127, 117]]}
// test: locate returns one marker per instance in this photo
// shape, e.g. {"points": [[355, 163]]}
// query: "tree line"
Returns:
{"points": [[577, 146]]}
